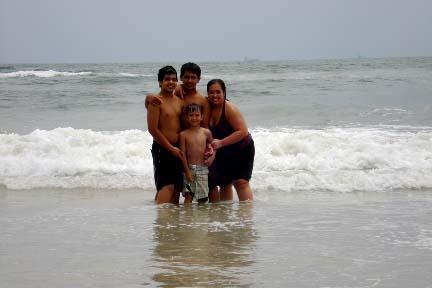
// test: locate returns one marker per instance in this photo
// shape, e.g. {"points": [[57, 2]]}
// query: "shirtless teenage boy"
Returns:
{"points": [[163, 123]]}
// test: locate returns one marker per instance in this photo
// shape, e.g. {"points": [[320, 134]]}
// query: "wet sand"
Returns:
{"points": [[119, 238]]}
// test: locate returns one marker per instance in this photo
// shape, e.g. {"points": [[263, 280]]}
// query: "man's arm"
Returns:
{"points": [[179, 91], [206, 113], [152, 99]]}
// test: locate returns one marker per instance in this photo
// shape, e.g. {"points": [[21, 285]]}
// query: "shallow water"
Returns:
{"points": [[119, 238], [342, 179]]}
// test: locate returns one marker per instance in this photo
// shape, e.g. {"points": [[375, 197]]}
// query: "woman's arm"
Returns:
{"points": [[237, 122]]}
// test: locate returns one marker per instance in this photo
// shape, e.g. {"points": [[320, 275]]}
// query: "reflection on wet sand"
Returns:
{"points": [[203, 245]]}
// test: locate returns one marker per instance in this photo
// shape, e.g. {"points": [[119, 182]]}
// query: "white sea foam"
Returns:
{"points": [[135, 75], [338, 159], [43, 74]]}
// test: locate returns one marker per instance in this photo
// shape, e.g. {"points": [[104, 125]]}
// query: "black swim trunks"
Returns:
{"points": [[167, 168]]}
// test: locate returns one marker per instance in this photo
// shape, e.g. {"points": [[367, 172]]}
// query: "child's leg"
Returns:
{"points": [[203, 200], [214, 195], [188, 197]]}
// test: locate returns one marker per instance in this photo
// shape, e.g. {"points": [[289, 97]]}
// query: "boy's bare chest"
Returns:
{"points": [[171, 109], [196, 139]]}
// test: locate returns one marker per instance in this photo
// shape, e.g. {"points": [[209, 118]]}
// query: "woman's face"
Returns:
{"points": [[215, 94]]}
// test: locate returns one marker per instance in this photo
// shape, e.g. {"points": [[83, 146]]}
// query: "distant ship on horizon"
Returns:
{"points": [[249, 60]]}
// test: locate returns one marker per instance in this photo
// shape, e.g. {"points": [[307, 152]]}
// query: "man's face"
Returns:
{"points": [[169, 83], [190, 80]]}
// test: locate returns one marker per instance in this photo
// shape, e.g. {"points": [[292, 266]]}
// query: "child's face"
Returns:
{"points": [[169, 83], [194, 118]]}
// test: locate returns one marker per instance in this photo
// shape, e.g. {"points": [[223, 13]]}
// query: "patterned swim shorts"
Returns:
{"points": [[198, 187]]}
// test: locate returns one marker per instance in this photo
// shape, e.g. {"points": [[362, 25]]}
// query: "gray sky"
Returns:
{"points": [[219, 30]]}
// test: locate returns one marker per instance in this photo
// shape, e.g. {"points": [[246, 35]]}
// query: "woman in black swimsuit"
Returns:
{"points": [[233, 143]]}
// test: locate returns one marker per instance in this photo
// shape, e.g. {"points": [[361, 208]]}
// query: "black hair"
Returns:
{"points": [[193, 107], [190, 67], [167, 70], [217, 81]]}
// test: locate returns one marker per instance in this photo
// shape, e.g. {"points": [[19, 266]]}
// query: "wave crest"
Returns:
{"points": [[342, 159], [42, 74]]}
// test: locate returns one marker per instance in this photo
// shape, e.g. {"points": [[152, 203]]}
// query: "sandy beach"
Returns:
{"points": [[119, 238]]}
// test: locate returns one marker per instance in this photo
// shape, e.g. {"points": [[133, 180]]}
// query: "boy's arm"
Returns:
{"points": [[210, 153], [209, 136], [186, 169], [153, 127]]}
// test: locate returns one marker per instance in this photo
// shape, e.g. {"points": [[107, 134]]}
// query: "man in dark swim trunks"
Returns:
{"points": [[163, 123]]}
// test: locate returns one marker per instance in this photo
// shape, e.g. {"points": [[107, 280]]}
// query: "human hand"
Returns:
{"points": [[209, 160], [216, 144], [153, 100], [177, 152], [209, 151]]}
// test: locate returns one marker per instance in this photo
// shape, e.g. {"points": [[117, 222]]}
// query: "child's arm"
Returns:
{"points": [[186, 169], [210, 153]]}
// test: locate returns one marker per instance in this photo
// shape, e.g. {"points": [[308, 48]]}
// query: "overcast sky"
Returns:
{"points": [[219, 30]]}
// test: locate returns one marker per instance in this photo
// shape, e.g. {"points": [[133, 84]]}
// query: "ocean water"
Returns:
{"points": [[342, 179], [334, 125]]}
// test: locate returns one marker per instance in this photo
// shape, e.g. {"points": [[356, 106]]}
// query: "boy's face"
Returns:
{"points": [[194, 118], [169, 83], [190, 80]]}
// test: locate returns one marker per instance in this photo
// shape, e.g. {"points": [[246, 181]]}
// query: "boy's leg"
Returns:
{"points": [[214, 195], [188, 198], [166, 195], [203, 200]]}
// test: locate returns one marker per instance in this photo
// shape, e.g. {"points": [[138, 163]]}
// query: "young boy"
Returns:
{"points": [[193, 144], [163, 123]]}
